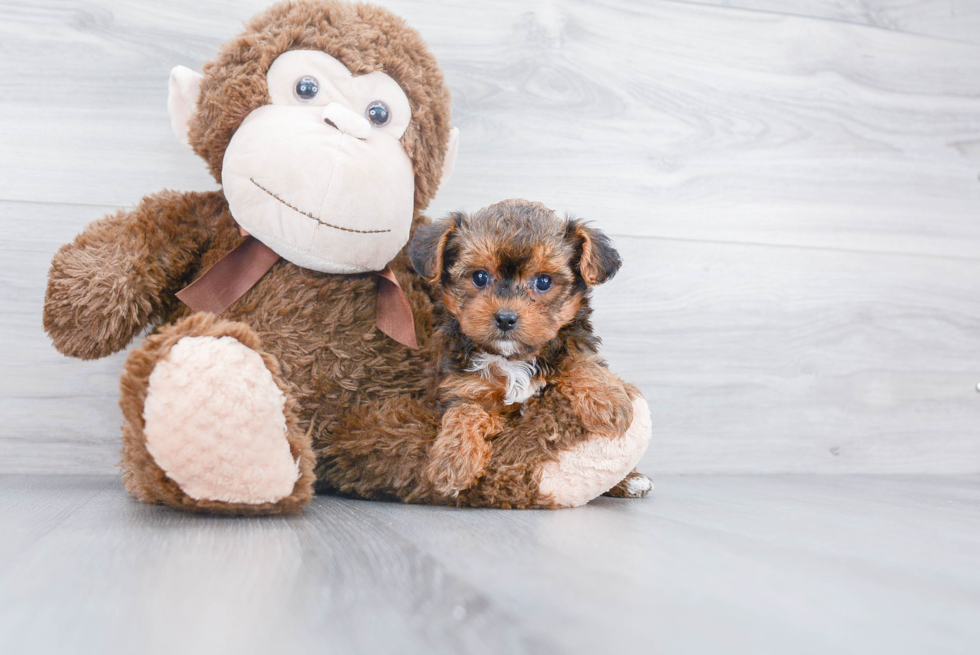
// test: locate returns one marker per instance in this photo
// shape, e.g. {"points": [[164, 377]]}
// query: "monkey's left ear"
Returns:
{"points": [[598, 260], [185, 87], [449, 163]]}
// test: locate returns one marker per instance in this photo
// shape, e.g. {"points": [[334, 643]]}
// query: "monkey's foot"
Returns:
{"points": [[594, 466], [634, 485], [217, 428], [215, 423]]}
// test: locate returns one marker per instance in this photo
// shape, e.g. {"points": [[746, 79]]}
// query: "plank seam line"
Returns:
{"points": [[68, 204], [825, 19], [790, 246]]}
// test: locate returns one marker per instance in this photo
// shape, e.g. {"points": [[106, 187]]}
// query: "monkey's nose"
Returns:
{"points": [[346, 121], [505, 319]]}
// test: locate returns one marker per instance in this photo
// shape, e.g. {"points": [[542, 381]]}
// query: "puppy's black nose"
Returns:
{"points": [[505, 319]]}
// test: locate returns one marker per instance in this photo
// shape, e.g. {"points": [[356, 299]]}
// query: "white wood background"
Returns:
{"points": [[794, 185]]}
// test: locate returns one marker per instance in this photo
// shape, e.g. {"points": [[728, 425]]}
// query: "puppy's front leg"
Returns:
{"points": [[461, 452], [598, 397]]}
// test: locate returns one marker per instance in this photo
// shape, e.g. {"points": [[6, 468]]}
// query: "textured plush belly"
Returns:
{"points": [[322, 329]]}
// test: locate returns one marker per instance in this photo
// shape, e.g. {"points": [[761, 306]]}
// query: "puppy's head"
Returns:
{"points": [[513, 274]]}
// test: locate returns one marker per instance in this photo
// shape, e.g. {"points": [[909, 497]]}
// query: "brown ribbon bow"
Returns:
{"points": [[238, 271]]}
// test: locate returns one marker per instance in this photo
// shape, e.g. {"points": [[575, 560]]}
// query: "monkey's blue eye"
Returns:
{"points": [[542, 283], [481, 279], [307, 88], [378, 113]]}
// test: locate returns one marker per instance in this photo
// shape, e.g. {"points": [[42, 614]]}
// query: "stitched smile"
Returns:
{"points": [[324, 223]]}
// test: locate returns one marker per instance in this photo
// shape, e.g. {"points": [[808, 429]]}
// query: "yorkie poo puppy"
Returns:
{"points": [[515, 281]]}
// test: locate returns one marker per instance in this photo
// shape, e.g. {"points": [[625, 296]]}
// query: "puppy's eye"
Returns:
{"points": [[306, 88], [542, 283], [378, 113], [481, 279]]}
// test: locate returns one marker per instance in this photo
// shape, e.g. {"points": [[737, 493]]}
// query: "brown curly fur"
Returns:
{"points": [[390, 440], [461, 451], [356, 399]]}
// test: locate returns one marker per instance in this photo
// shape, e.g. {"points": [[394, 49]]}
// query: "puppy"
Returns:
{"points": [[515, 282]]}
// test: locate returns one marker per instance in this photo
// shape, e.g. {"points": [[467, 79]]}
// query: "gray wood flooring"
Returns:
{"points": [[793, 184], [709, 564]]}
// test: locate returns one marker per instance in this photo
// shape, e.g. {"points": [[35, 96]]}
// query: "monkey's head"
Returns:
{"points": [[327, 124]]}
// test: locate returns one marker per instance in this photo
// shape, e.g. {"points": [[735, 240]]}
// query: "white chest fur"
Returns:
{"points": [[521, 383]]}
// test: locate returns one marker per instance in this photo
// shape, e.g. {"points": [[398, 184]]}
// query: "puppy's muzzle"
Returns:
{"points": [[506, 320]]}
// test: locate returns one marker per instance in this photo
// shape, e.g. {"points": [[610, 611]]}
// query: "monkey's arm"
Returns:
{"points": [[121, 272]]}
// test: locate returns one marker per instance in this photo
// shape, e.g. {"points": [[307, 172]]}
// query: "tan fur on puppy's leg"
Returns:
{"points": [[598, 398], [462, 451]]}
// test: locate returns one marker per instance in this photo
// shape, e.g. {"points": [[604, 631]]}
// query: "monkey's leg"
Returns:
{"points": [[595, 465], [209, 424], [380, 450]]}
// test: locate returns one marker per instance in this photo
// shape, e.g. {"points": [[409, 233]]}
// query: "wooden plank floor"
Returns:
{"points": [[766, 564]]}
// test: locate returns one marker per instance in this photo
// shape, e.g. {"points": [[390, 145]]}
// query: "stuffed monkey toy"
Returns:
{"points": [[291, 341]]}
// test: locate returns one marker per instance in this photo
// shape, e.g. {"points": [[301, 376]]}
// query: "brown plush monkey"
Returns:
{"points": [[327, 125]]}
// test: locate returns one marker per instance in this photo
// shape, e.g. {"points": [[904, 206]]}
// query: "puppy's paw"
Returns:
{"points": [[610, 414], [600, 400], [634, 485], [602, 408], [462, 451], [451, 476]]}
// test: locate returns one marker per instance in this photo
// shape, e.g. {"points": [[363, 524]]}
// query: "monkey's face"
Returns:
{"points": [[319, 175]]}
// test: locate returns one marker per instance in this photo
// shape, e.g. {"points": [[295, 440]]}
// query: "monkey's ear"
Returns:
{"points": [[449, 163], [185, 87], [598, 260], [428, 248]]}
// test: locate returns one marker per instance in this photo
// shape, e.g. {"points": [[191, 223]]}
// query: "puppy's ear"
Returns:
{"points": [[428, 248], [597, 260]]}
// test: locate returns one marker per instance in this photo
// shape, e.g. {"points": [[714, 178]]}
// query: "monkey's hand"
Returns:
{"points": [[121, 272], [462, 450], [598, 397]]}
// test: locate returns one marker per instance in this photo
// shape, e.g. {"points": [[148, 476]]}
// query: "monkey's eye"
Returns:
{"points": [[378, 113], [481, 279], [306, 88], [542, 283]]}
